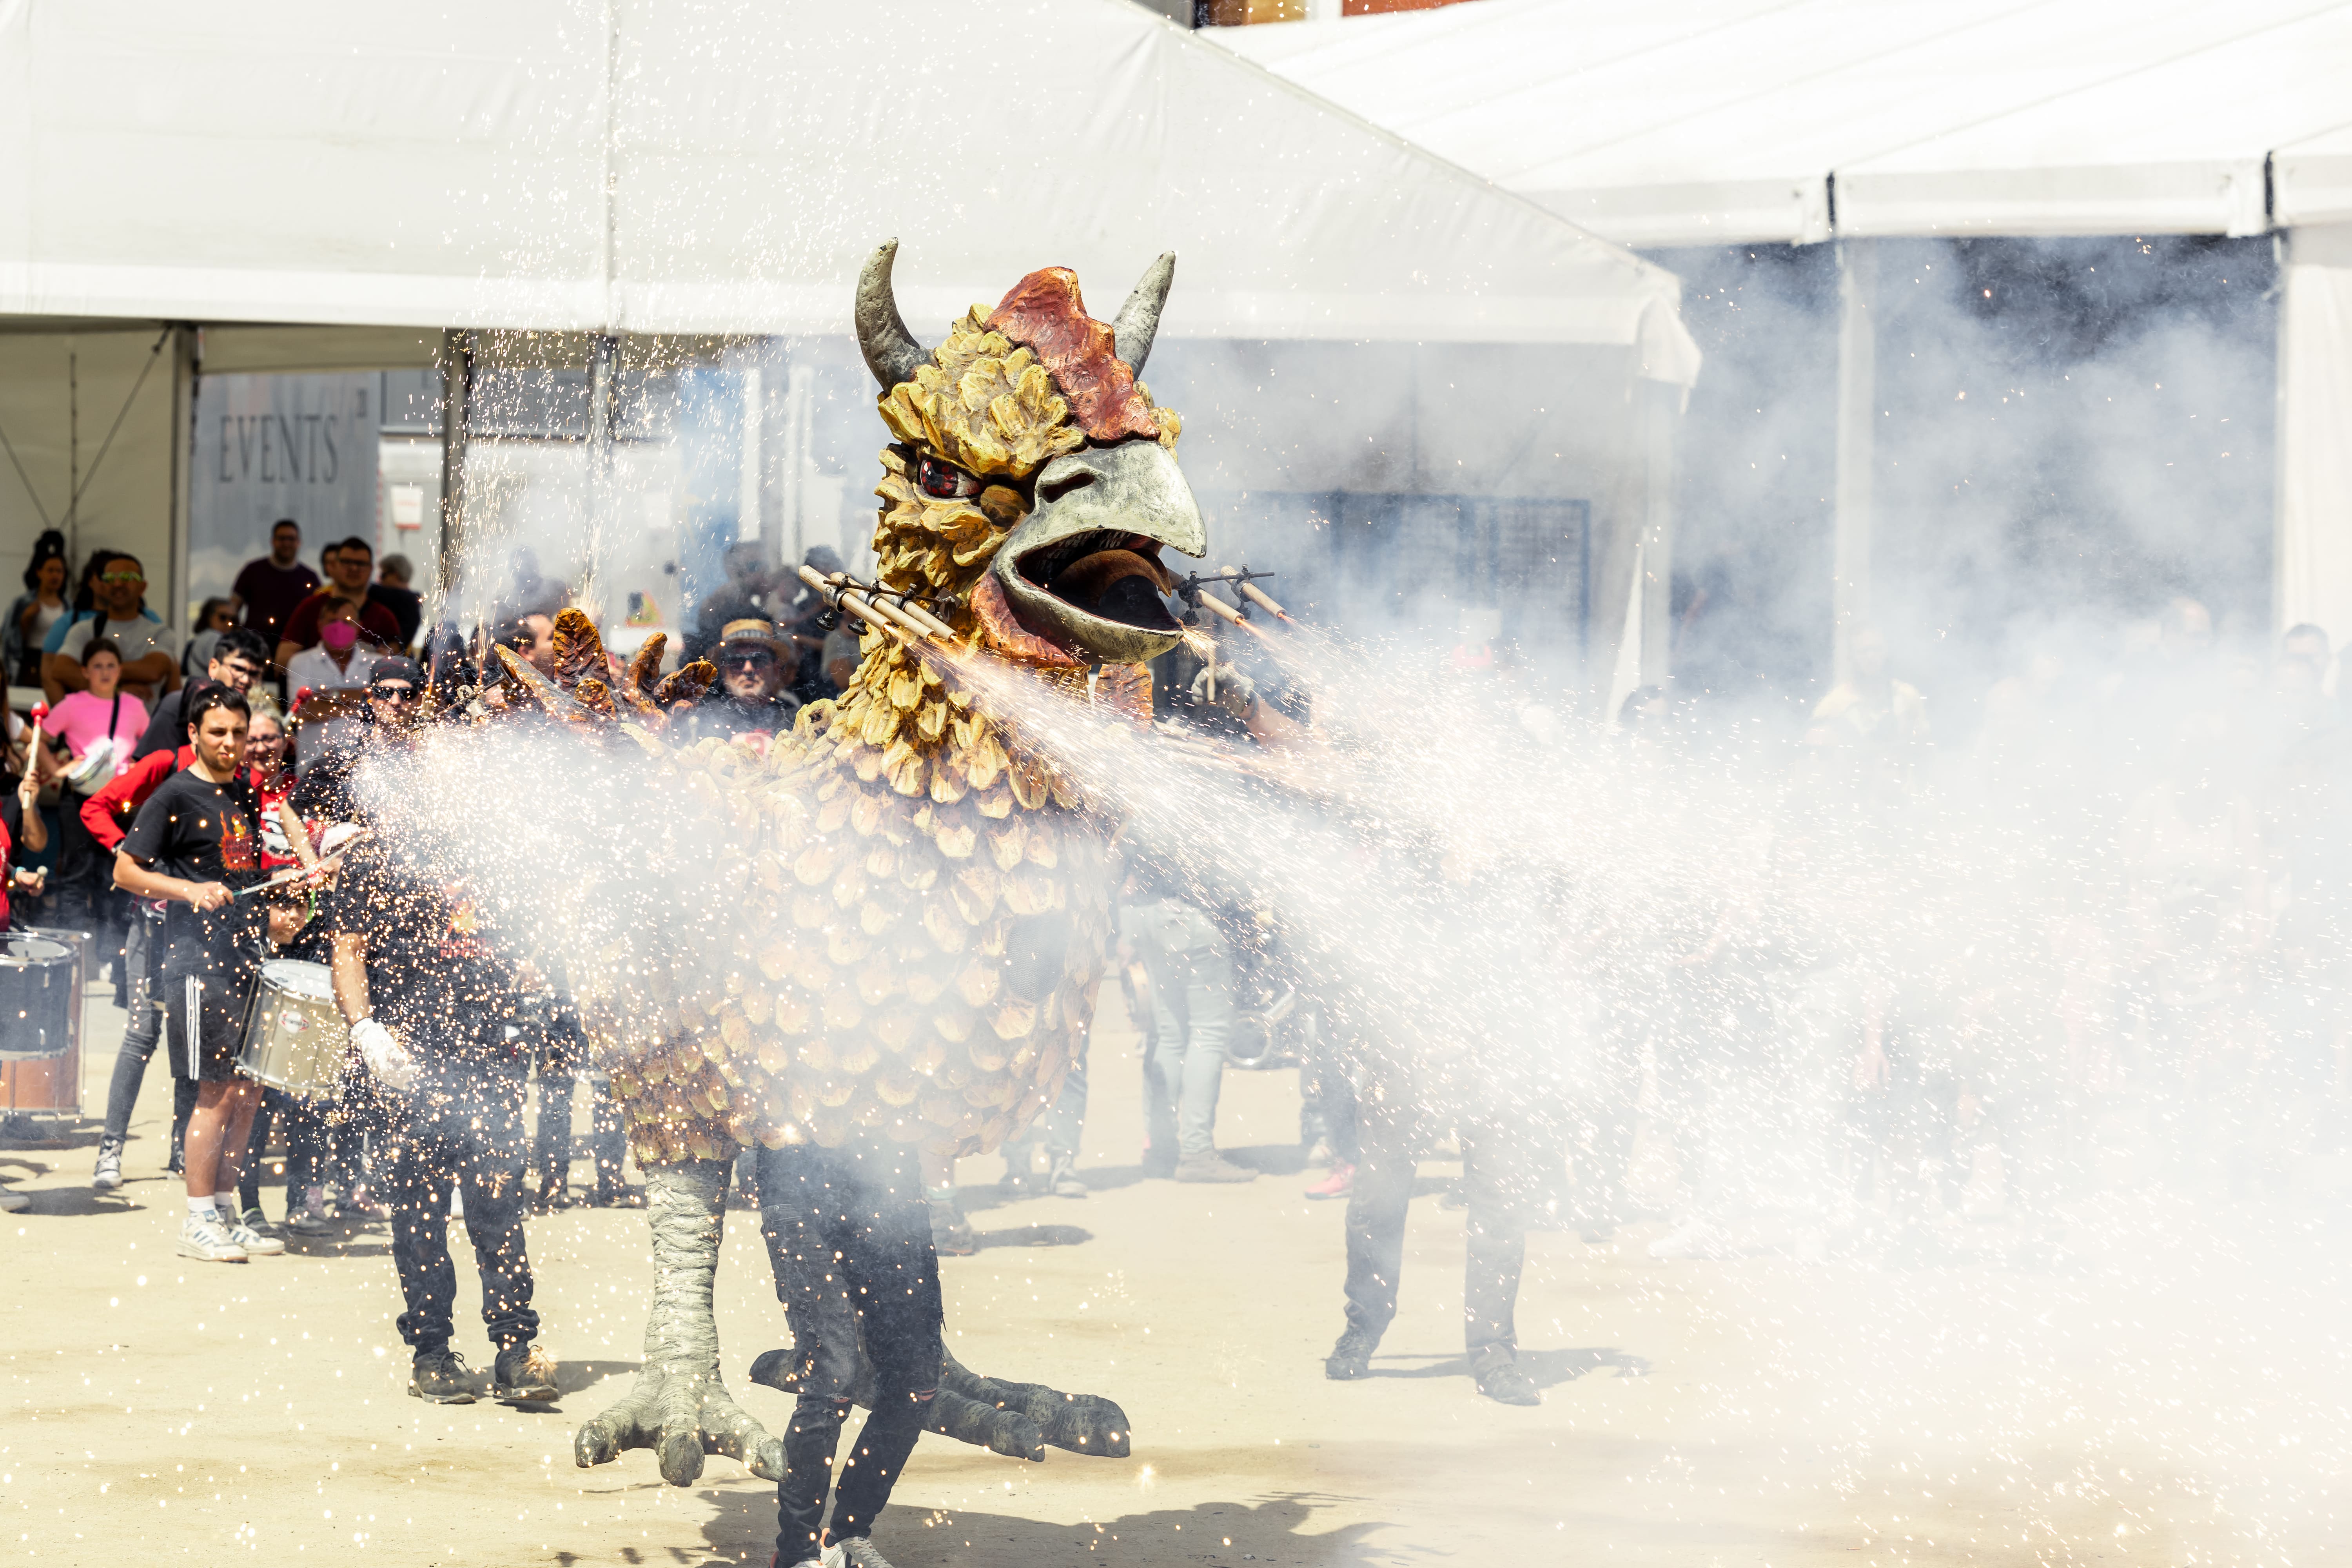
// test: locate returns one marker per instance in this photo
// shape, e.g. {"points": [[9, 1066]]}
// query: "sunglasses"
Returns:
{"points": [[392, 693], [139, 577], [747, 661]]}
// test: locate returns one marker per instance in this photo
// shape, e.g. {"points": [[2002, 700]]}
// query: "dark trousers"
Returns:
{"points": [[461, 1129], [305, 1160], [144, 1027], [1497, 1230], [849, 1233]]}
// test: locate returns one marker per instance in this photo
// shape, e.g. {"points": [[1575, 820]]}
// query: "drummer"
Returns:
{"points": [[196, 841]]}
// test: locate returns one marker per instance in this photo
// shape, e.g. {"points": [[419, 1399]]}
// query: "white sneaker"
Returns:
{"points": [[14, 1202], [206, 1239], [857, 1552], [257, 1243]]}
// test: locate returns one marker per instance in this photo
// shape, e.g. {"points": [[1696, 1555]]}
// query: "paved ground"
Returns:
{"points": [[2179, 1397]]}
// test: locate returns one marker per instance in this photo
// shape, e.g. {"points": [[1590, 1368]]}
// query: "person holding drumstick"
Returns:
{"points": [[196, 841]]}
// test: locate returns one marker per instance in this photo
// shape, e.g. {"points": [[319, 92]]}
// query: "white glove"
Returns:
{"points": [[1235, 691], [384, 1055]]}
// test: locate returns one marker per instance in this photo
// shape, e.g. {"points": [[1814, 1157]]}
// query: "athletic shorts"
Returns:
{"points": [[204, 1024]]}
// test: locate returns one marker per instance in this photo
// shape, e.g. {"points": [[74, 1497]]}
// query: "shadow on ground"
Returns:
{"points": [[1273, 1530], [1547, 1368]]}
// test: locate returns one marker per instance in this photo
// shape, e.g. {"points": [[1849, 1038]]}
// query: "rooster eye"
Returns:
{"points": [[945, 480]]}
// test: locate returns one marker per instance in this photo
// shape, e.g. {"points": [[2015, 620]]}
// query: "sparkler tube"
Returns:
{"points": [[1258, 596], [889, 612], [856, 606], [921, 615], [1212, 602]]}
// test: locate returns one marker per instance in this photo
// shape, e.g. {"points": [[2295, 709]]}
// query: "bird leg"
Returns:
{"points": [[680, 1406], [1019, 1420]]}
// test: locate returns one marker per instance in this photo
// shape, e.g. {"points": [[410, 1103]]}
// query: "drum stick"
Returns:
{"points": [[296, 873]]}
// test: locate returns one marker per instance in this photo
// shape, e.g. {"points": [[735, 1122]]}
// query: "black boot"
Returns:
{"points": [[439, 1377], [1351, 1358], [524, 1375], [1496, 1368]]}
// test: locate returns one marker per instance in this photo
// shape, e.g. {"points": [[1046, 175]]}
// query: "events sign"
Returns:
{"points": [[268, 447]]}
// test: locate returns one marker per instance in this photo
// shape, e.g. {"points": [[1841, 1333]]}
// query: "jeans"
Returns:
{"points": [[849, 1234], [464, 1128], [1491, 1160], [1193, 1009], [1057, 1127], [144, 1027]]}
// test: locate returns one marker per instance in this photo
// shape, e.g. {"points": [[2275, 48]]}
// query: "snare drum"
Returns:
{"points": [[295, 1036], [40, 1020]]}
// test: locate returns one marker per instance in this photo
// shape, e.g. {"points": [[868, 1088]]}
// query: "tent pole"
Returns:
{"points": [[456, 420], [1662, 404], [1857, 431], [184, 370], [2312, 551]]}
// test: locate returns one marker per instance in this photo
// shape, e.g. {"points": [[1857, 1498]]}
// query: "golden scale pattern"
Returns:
{"points": [[892, 844]]}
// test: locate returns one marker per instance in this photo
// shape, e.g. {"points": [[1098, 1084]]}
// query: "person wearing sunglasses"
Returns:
{"points": [[151, 650], [325, 793], [754, 665]]}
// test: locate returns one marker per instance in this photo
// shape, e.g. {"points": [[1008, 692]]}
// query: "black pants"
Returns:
{"points": [[142, 1028], [849, 1233], [305, 1159], [462, 1129], [1492, 1169]]}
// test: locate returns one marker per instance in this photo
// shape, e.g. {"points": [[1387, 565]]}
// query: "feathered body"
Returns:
{"points": [[922, 904]]}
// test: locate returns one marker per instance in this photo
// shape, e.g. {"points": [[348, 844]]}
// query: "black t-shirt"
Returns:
{"points": [[432, 972], [324, 792], [168, 730], [204, 832]]}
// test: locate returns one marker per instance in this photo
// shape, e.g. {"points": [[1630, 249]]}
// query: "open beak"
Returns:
{"points": [[1083, 570]]}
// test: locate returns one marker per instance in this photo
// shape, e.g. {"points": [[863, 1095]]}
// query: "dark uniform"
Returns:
{"points": [[435, 982], [849, 1233], [204, 832]]}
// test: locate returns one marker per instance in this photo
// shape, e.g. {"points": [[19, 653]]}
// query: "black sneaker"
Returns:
{"points": [[1351, 1358], [524, 1375], [1500, 1379], [439, 1377]]}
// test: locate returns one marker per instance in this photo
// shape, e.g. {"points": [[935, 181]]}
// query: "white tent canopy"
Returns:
{"points": [[726, 166], [1727, 120], [1720, 121], [330, 187]]}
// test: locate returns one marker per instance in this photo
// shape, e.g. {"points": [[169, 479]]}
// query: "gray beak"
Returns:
{"points": [[1084, 566]]}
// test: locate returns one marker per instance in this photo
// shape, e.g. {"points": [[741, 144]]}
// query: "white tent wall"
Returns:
{"points": [[92, 399], [685, 167], [2314, 551]]}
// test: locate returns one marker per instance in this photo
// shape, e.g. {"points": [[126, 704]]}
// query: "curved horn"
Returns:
{"points": [[1139, 319], [890, 349]]}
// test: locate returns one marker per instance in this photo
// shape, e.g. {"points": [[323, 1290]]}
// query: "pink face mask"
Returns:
{"points": [[339, 636]]}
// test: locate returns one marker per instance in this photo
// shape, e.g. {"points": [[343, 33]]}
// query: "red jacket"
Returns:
{"points": [[108, 813]]}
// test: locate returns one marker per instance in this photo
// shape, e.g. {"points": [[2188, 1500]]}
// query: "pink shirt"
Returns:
{"points": [[81, 719]]}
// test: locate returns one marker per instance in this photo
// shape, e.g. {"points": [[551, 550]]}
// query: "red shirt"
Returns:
{"points": [[277, 850], [374, 621], [108, 813]]}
